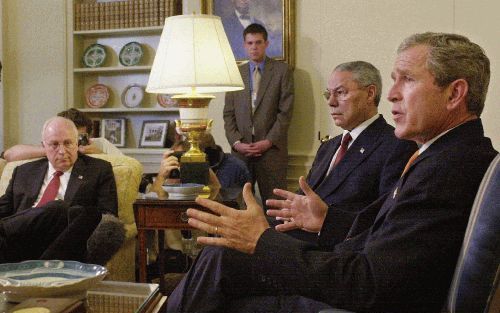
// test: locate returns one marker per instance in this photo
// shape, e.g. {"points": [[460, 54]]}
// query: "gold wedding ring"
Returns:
{"points": [[216, 230]]}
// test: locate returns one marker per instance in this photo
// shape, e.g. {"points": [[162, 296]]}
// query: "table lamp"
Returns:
{"points": [[194, 58]]}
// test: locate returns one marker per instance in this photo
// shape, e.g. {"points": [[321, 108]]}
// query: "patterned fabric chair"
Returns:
{"points": [[475, 285], [128, 172]]}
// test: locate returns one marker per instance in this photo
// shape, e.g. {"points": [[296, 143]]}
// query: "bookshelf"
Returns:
{"points": [[113, 24]]}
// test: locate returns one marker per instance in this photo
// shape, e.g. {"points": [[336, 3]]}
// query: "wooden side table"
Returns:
{"points": [[156, 214]]}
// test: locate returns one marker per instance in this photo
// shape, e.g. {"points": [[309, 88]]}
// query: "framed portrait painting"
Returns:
{"points": [[277, 16], [153, 134], [114, 131]]}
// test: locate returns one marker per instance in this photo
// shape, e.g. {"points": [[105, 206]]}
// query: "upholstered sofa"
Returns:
{"points": [[128, 172]]}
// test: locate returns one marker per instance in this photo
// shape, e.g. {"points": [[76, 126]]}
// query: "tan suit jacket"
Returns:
{"points": [[271, 119], [273, 111]]}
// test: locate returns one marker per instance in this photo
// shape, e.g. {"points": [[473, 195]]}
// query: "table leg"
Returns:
{"points": [[141, 236], [161, 259]]}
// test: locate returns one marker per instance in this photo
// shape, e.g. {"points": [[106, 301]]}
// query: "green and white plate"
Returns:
{"points": [[94, 55], [131, 54]]}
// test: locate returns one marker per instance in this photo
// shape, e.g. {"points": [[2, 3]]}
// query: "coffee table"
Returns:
{"points": [[119, 297]]}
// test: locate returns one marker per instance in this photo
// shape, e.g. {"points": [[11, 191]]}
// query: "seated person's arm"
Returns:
{"points": [[213, 183], [89, 149], [100, 145], [23, 152]]}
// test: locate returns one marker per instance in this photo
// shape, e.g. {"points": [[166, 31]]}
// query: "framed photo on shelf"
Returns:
{"points": [[277, 16], [113, 130], [154, 134]]}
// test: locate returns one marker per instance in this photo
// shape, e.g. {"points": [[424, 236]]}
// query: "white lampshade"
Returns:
{"points": [[194, 52]]}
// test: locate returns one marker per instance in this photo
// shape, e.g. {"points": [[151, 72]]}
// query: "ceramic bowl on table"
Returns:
{"points": [[50, 278], [188, 191]]}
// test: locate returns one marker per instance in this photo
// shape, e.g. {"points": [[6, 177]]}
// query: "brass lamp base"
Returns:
{"points": [[193, 110]]}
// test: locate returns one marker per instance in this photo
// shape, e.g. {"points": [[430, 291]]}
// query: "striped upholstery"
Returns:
{"points": [[478, 264]]}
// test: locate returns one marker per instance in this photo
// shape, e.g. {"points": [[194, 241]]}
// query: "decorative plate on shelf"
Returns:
{"points": [[131, 54], [166, 101], [97, 96], [132, 96], [48, 278], [94, 55]]}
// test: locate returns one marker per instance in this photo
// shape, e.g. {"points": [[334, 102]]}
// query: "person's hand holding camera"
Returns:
{"points": [[169, 163]]}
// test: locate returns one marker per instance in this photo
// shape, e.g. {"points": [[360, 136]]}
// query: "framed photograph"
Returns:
{"points": [[153, 134], [113, 130], [277, 16]]}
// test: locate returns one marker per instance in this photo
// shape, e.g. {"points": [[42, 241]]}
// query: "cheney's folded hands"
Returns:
{"points": [[237, 229], [306, 212]]}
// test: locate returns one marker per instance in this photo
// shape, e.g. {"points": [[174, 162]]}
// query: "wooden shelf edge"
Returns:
{"points": [[119, 31], [148, 151], [129, 110], [140, 68]]}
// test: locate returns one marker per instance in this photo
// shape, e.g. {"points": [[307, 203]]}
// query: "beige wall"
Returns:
{"points": [[35, 66], [327, 32]]}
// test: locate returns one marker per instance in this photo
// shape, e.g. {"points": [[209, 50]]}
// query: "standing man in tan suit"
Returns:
{"points": [[256, 119]]}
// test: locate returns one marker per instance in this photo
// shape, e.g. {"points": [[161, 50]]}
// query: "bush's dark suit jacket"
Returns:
{"points": [[271, 119], [400, 259], [91, 183], [369, 169]]}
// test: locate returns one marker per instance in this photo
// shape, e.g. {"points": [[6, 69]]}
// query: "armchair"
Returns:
{"points": [[127, 173], [475, 285]]}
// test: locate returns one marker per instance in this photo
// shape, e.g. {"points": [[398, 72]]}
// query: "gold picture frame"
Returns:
{"points": [[282, 47]]}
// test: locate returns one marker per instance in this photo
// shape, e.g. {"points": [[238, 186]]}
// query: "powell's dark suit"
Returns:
{"points": [[273, 112], [369, 169], [91, 186], [400, 259]]}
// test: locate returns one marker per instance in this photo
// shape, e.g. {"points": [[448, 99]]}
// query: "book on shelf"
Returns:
{"points": [[141, 13], [161, 11], [136, 13], [171, 7], [78, 16], [97, 24], [156, 14], [91, 16], [121, 14], [100, 9]]}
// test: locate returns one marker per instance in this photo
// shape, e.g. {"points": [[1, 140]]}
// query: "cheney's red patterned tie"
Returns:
{"points": [[50, 192]]}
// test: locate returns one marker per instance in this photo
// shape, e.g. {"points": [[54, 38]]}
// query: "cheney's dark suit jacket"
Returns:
{"points": [[271, 119], [401, 250], [369, 169], [91, 183]]}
